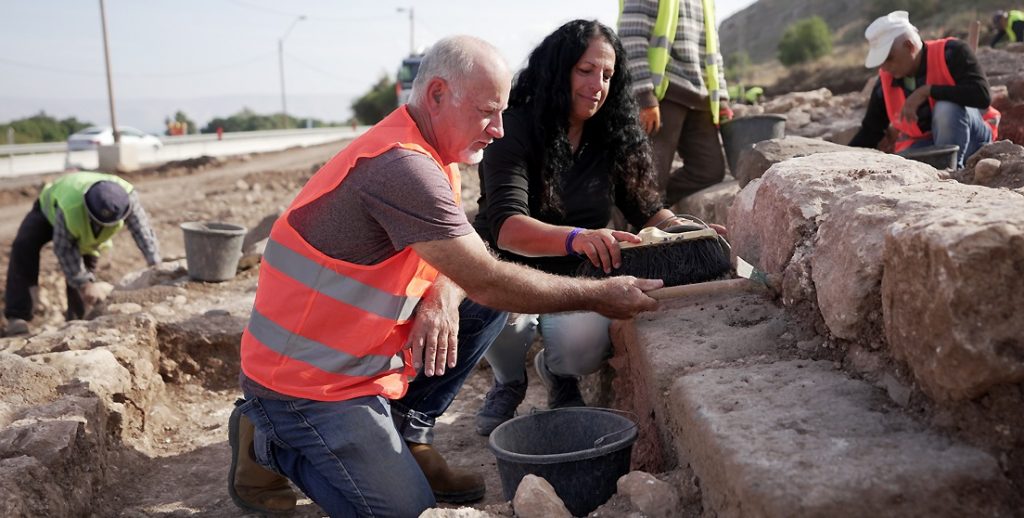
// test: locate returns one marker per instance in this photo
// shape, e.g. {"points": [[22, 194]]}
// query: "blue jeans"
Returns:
{"points": [[428, 397], [575, 344], [350, 456], [956, 124]]}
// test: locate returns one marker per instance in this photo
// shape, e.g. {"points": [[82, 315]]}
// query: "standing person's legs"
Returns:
{"points": [[23, 269], [77, 307], [665, 142], [345, 455], [956, 124], [507, 358], [700, 147]]}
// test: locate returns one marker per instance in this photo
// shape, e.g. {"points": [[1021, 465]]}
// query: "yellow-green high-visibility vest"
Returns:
{"points": [[1013, 16], [660, 47], [68, 193]]}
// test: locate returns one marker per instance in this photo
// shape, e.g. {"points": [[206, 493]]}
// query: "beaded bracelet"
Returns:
{"points": [[569, 239]]}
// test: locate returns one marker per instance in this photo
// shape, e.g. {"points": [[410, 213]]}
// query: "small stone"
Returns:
{"points": [[650, 496], [242, 185], [898, 392], [462, 512], [986, 169], [124, 308], [535, 498], [810, 345]]}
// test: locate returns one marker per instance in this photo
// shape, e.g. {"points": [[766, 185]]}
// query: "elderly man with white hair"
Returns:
{"points": [[375, 300], [933, 92]]}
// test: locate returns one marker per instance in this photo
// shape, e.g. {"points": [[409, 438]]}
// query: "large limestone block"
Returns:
{"points": [[755, 161], [774, 214], [24, 383], [952, 293], [98, 368], [710, 204], [800, 439], [847, 262]]}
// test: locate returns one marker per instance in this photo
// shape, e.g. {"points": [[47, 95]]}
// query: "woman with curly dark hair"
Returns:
{"points": [[573, 149]]}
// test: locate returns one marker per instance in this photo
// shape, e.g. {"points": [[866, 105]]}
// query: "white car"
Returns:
{"points": [[90, 138]]}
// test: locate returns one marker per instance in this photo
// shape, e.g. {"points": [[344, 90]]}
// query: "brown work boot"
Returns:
{"points": [[251, 486], [449, 485]]}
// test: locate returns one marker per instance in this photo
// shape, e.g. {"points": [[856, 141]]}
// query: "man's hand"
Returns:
{"points": [[434, 337], [601, 246], [94, 292], [913, 102], [724, 111], [623, 297], [650, 119]]}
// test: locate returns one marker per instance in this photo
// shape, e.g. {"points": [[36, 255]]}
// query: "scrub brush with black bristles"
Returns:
{"points": [[682, 254]]}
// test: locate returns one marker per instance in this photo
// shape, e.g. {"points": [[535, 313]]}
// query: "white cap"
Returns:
{"points": [[882, 32]]}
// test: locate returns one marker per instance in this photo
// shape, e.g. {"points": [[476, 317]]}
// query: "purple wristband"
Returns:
{"points": [[569, 239]]}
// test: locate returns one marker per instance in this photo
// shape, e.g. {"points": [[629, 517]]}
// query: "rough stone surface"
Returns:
{"points": [[755, 161], [952, 293], [535, 498], [710, 204], [798, 438], [24, 383], [462, 512], [847, 262], [652, 497], [168, 272], [683, 336], [774, 214], [999, 164]]}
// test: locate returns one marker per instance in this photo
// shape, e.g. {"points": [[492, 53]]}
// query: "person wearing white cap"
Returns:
{"points": [[933, 93]]}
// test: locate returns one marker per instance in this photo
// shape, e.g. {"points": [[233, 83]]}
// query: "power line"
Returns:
{"points": [[140, 74], [271, 10], [318, 69]]}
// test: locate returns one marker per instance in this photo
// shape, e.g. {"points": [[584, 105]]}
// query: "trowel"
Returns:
{"points": [[750, 279]]}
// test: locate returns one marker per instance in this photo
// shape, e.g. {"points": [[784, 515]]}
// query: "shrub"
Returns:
{"points": [[805, 40]]}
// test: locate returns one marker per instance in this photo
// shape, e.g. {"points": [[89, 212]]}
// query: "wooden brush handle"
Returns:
{"points": [[705, 288]]}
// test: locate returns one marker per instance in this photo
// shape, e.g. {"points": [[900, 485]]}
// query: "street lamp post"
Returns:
{"points": [[110, 83], [280, 64], [412, 24]]}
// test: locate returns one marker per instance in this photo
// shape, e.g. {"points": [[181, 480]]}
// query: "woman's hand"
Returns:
{"points": [[601, 246]]}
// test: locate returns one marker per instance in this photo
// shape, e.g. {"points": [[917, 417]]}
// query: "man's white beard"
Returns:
{"points": [[471, 157]]}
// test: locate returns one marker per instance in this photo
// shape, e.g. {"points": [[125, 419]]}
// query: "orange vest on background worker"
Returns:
{"points": [[326, 329], [938, 75]]}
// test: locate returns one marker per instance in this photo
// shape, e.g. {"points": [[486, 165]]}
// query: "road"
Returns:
{"points": [[55, 159]]}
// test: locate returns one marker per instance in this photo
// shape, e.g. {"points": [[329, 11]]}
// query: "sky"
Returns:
{"points": [[213, 57]]}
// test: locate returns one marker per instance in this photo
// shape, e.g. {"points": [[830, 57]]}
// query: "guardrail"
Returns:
{"points": [[60, 147]]}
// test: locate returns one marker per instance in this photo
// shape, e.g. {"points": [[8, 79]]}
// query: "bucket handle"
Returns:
{"points": [[632, 424]]}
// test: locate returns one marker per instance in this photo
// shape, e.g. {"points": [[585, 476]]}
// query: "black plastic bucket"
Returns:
{"points": [[939, 157], [580, 451], [742, 133]]}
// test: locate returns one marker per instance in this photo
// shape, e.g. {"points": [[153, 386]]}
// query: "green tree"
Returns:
{"points": [[248, 120], [377, 103], [805, 40], [42, 128]]}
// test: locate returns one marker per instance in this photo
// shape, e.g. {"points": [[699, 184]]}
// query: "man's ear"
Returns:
{"points": [[437, 88]]}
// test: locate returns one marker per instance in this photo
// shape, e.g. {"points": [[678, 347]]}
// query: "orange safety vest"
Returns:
{"points": [[937, 74], [330, 330]]}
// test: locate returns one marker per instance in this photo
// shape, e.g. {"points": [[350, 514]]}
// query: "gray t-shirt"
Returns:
{"points": [[386, 203]]}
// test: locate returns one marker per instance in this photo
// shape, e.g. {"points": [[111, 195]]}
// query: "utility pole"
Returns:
{"points": [[412, 30], [280, 65], [110, 83]]}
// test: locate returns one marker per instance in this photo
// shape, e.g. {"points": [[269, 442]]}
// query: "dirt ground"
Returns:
{"points": [[182, 471]]}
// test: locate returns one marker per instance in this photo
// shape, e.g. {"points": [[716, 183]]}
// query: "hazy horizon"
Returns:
{"points": [[223, 55]]}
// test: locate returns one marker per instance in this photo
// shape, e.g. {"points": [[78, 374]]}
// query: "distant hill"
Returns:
{"points": [[757, 29]]}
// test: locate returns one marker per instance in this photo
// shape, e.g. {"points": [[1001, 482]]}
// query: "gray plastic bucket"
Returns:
{"points": [[580, 451], [212, 249], [939, 157], [743, 132]]}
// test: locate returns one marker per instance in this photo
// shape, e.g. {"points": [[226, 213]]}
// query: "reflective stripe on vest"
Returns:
{"points": [[330, 330], [68, 193], [1011, 18], [937, 74], [711, 58], [659, 47]]}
